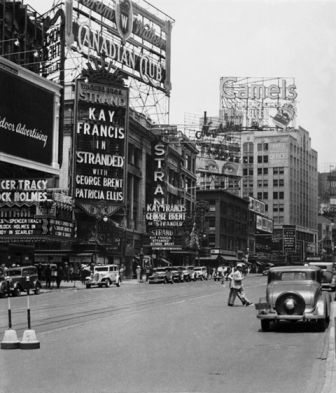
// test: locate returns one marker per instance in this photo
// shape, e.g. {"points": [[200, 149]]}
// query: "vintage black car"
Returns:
{"points": [[22, 279], [294, 293], [161, 275]]}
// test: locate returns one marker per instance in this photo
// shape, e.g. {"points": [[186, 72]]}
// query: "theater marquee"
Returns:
{"points": [[99, 151]]}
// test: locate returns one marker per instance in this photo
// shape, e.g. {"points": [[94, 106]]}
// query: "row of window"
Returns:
{"points": [[276, 183], [276, 195], [263, 171]]}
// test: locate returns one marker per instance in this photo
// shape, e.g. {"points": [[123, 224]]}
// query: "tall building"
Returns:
{"points": [[280, 169]]}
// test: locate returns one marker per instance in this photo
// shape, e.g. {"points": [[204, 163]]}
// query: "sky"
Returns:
{"points": [[253, 38]]}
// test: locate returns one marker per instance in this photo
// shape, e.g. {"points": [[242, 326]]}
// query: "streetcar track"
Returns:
{"points": [[105, 312]]}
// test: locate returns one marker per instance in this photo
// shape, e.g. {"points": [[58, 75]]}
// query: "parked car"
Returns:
{"points": [[22, 279], [192, 273], [176, 274], [201, 273], [184, 273], [3, 283], [294, 293], [328, 274], [161, 275], [103, 275]]}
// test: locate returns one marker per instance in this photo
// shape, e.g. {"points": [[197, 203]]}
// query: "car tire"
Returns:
{"points": [[88, 286], [265, 325]]}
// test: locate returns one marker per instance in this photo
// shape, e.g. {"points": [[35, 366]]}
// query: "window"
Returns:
{"points": [[259, 146], [265, 195], [259, 195], [275, 195], [260, 171], [265, 171], [275, 183], [212, 222], [281, 195], [259, 159], [265, 159]]}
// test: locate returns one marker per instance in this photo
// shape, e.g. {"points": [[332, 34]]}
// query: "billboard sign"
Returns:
{"points": [[258, 102], [130, 36], [264, 224], [23, 190], [289, 238], [27, 227], [100, 148], [164, 220], [28, 113]]}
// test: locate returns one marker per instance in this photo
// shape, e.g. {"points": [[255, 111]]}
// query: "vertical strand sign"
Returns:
{"points": [[100, 147]]}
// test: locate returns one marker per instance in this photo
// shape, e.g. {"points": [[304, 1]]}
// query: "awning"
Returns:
{"points": [[164, 260], [229, 258], [209, 258]]}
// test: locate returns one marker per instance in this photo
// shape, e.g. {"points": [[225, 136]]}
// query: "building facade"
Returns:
{"points": [[280, 169]]}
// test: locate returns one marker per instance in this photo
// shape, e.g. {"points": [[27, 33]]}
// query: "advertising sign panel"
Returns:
{"points": [[163, 220], [289, 238], [256, 206], [264, 224], [26, 119], [131, 36], [101, 128], [23, 190], [258, 102], [18, 227]]}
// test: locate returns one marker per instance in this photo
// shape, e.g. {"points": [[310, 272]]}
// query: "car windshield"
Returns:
{"points": [[14, 272], [101, 269], [160, 269]]}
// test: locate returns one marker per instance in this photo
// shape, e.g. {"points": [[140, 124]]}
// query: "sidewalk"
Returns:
{"points": [[79, 285], [330, 376]]}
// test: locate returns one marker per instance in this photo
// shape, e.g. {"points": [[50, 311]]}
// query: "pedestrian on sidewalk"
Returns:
{"points": [[236, 278], [48, 276], [138, 273], [59, 276]]}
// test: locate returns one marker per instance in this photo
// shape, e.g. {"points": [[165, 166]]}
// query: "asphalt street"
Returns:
{"points": [[156, 339]]}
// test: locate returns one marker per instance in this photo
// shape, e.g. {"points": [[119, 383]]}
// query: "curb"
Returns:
{"points": [[330, 373]]}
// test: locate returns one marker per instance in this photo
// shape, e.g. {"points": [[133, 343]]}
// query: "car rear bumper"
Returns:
{"points": [[304, 317]]}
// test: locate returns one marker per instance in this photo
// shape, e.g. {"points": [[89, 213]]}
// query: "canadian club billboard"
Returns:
{"points": [[100, 147]]}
